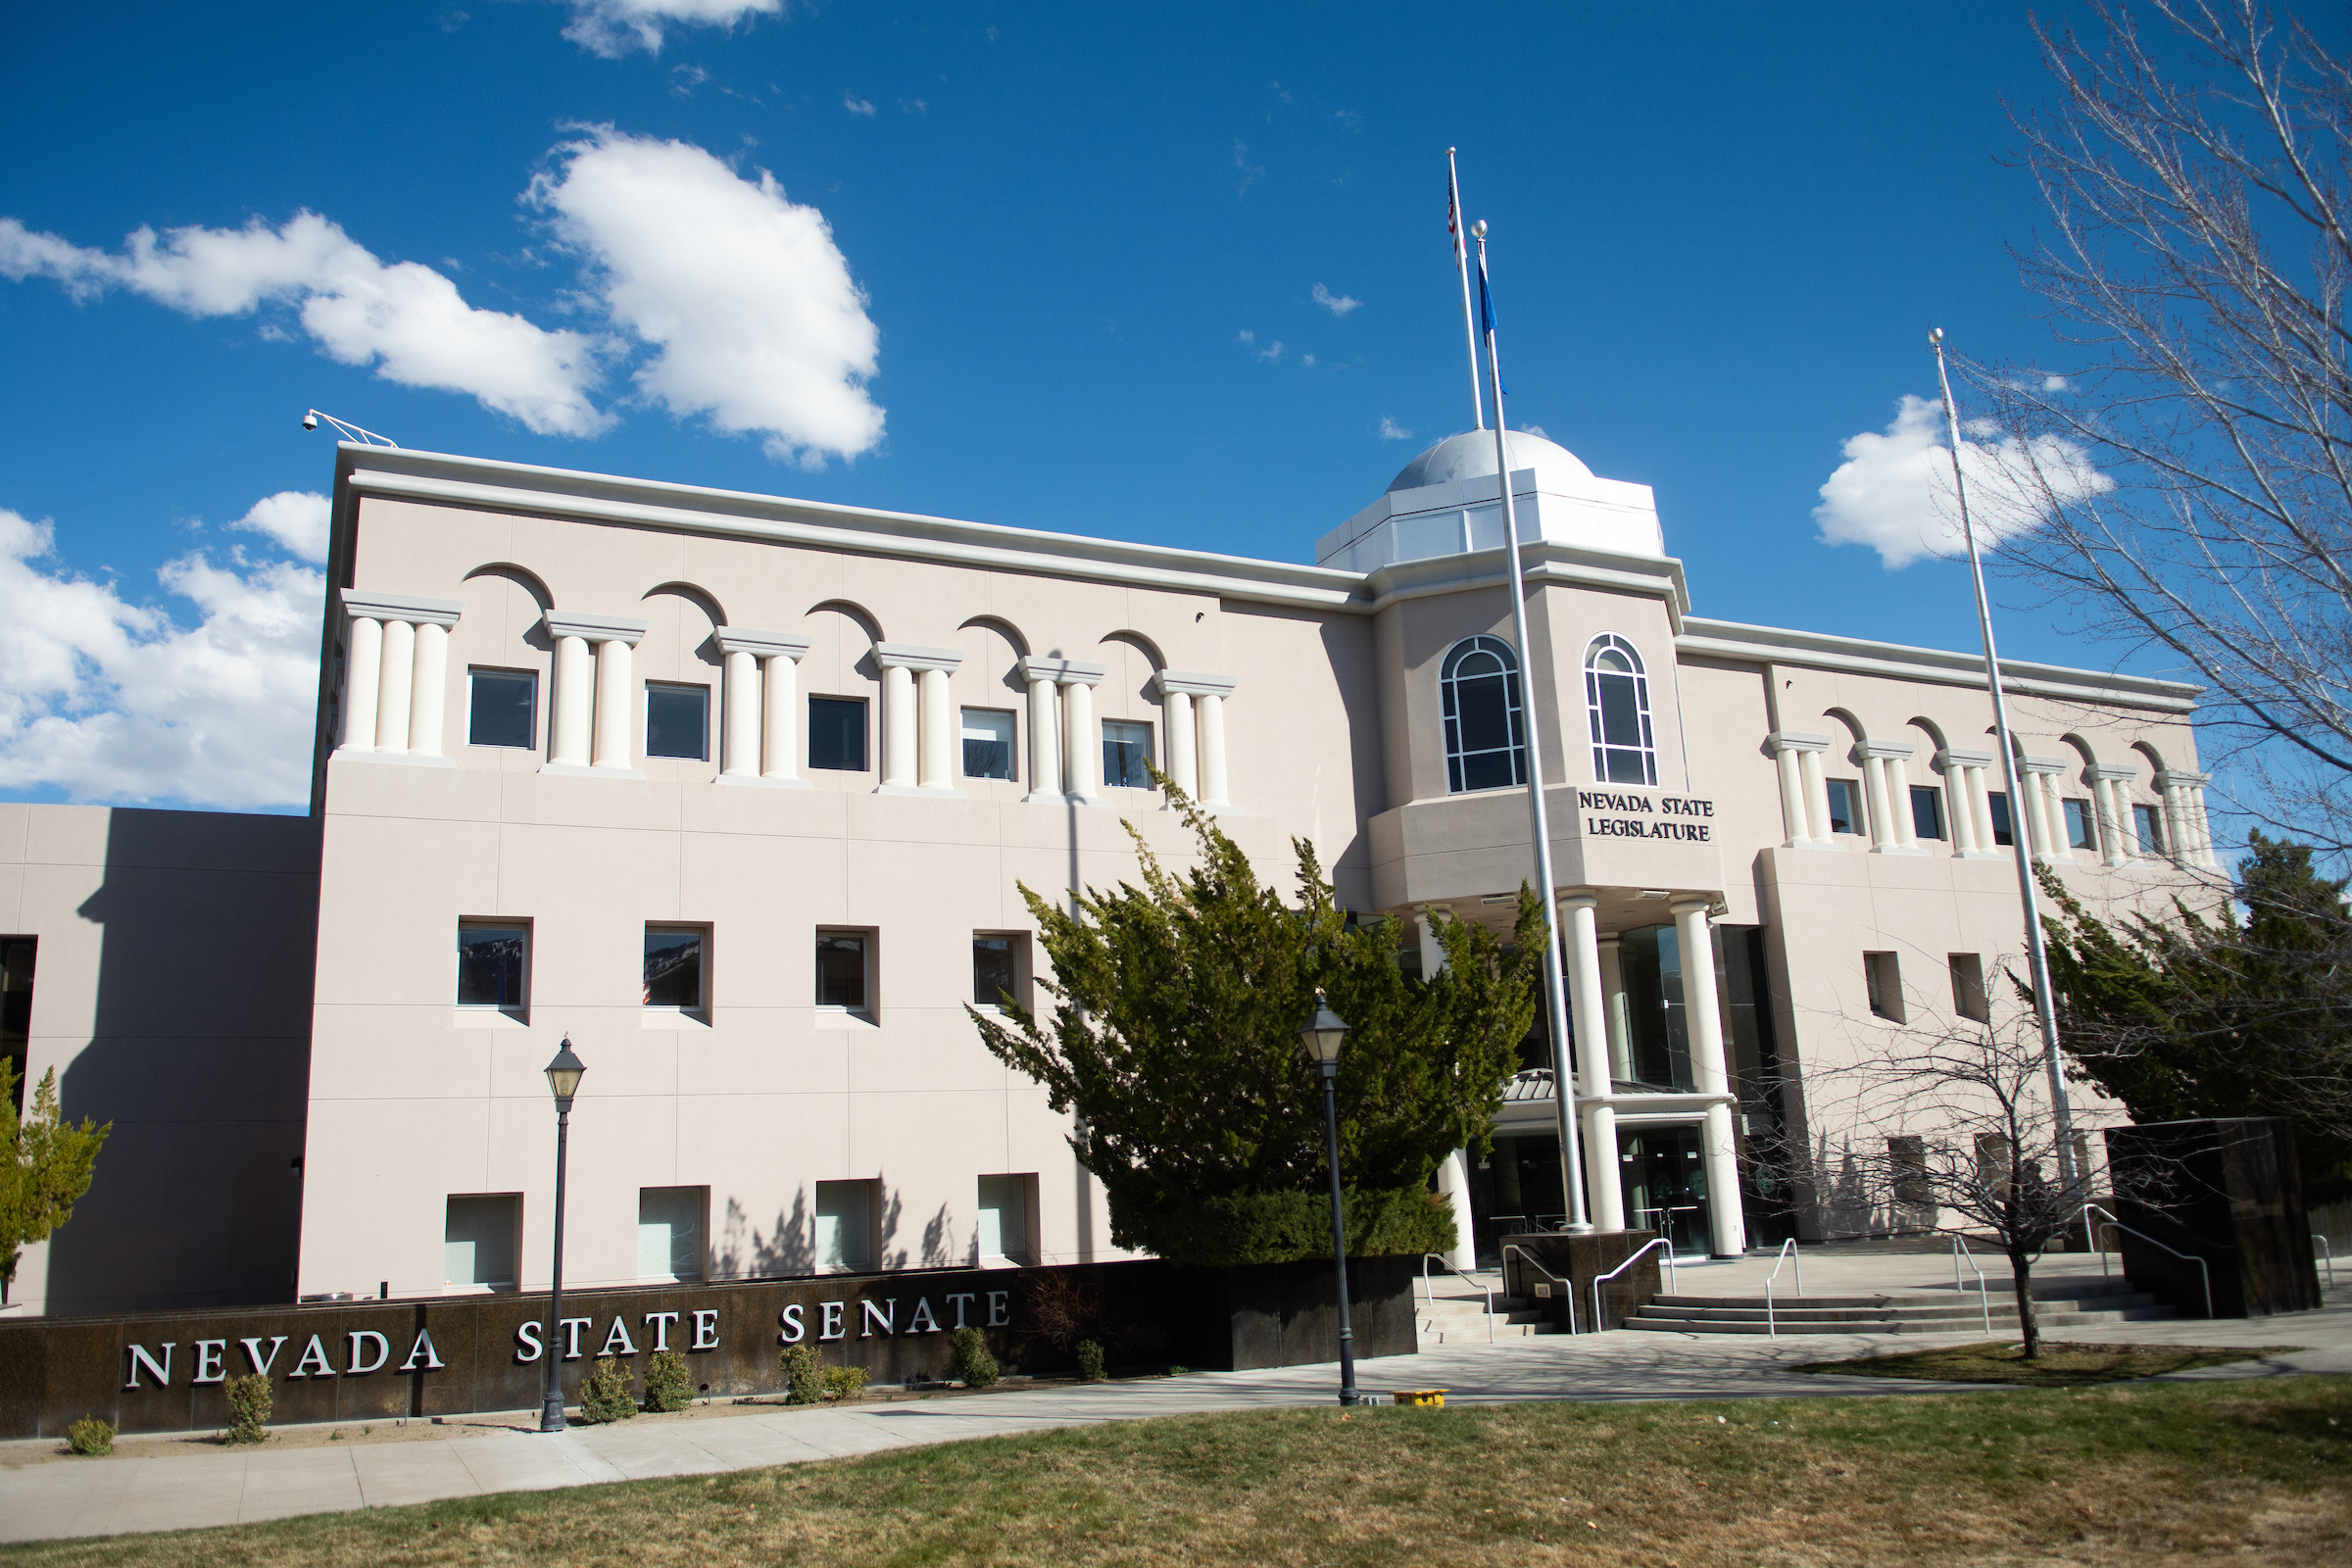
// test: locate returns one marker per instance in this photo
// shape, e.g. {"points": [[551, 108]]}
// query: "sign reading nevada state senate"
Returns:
{"points": [[1614, 814]]}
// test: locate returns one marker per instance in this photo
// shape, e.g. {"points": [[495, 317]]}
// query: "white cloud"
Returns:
{"points": [[857, 105], [296, 518], [1307, 360], [1390, 430], [112, 701], [405, 318], [1894, 490], [1272, 351], [1335, 304], [615, 27], [1251, 172], [746, 298]]}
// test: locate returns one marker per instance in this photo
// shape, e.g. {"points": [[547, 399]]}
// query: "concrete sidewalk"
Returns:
{"points": [[109, 1496]]}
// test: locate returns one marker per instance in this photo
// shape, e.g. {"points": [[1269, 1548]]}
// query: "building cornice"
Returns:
{"points": [[596, 628], [1545, 562], [417, 612], [1193, 683], [1063, 671], [767, 644], [914, 656]]}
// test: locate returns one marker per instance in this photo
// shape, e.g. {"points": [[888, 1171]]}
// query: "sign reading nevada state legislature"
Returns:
{"points": [[1609, 815]]}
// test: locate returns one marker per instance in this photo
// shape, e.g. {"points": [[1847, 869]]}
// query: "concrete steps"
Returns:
{"points": [[2060, 1304], [1463, 1320]]}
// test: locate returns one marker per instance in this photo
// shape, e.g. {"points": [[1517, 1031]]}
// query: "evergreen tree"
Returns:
{"points": [[46, 1168], [1174, 1038]]}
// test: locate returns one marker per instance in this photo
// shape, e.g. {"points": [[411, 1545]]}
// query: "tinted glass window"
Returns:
{"points": [[2082, 828], [490, 960], [2150, 822], [1999, 802], [673, 968], [1927, 812], [987, 743], [836, 734], [1478, 691], [840, 969], [15, 1005], [1126, 755], [502, 711], [677, 721], [1845, 805], [993, 970]]}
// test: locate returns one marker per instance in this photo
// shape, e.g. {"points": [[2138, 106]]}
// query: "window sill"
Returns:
{"points": [[844, 1018], [672, 1017], [472, 1016]]}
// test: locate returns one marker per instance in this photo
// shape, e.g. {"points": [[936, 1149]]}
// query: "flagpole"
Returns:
{"points": [[1461, 261], [1555, 994], [2038, 957]]}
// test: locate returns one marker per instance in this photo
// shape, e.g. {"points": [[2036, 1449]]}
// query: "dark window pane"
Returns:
{"points": [[993, 970], [1619, 711], [2082, 828], [836, 734], [677, 721], [1846, 814], [2150, 822], [502, 708], [1126, 755], [840, 970], [1999, 802], [1483, 713], [1627, 766], [987, 743], [1927, 812], [490, 961], [1486, 770], [15, 1006], [673, 968]]}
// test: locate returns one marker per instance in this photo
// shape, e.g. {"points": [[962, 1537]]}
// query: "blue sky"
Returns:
{"points": [[1719, 235]]}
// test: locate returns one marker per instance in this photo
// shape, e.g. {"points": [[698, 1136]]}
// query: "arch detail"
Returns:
{"points": [[1003, 628], [864, 617], [522, 577]]}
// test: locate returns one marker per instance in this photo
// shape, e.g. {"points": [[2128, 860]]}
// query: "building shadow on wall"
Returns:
{"points": [[787, 1251], [199, 1054]]}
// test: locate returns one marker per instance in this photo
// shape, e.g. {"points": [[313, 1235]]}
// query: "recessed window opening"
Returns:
{"points": [[1969, 997], [502, 708], [1002, 1231], [670, 1232], [673, 966], [2082, 825], [845, 1227], [677, 720], [1126, 755], [1617, 704], [997, 969], [836, 734], [1907, 1161], [478, 1238], [15, 1006], [2149, 820], [840, 969], [1845, 805], [987, 743], [493, 963], [1882, 981], [1485, 735], [1999, 803], [1927, 812]]}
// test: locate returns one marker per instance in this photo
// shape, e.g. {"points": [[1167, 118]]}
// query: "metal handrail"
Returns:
{"points": [[1432, 1295], [2204, 1272], [1787, 1254], [1598, 1318], [1983, 1301], [2328, 1247], [1569, 1294]]}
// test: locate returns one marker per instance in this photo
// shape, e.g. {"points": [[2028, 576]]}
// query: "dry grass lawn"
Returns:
{"points": [[2061, 1364], [2148, 1473]]}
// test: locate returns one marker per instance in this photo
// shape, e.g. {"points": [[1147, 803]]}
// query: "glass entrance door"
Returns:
{"points": [[1665, 1185]]}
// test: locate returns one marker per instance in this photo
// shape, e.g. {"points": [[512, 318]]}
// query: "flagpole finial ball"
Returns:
{"points": [[1934, 337], [1450, 152], [1478, 230]]}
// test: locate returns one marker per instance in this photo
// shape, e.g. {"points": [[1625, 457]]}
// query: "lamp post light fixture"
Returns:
{"points": [[1321, 1037], [563, 1079]]}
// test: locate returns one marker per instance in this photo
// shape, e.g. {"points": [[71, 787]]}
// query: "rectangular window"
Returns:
{"points": [[987, 743], [836, 734], [670, 1232], [1907, 1165], [677, 721], [1002, 1228], [1969, 1000], [478, 1238], [2082, 825], [997, 969], [502, 708], [1126, 755], [840, 969], [493, 963], [15, 1006], [1845, 805], [1927, 812], [1883, 980], [1992, 1161], [845, 1227], [2149, 820], [673, 966], [1998, 803]]}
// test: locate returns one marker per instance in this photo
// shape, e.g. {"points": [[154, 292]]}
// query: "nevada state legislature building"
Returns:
{"points": [[734, 790]]}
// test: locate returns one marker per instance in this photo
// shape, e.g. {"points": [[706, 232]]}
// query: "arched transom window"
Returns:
{"points": [[1617, 700], [1485, 736]]}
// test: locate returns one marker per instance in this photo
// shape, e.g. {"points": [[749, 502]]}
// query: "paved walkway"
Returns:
{"points": [[109, 1497]]}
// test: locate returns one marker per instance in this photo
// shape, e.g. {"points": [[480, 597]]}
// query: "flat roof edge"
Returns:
{"points": [[1822, 650]]}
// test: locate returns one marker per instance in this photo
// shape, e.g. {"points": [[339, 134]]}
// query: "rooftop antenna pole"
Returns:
{"points": [[1555, 993], [368, 438], [2038, 957], [1461, 263]]}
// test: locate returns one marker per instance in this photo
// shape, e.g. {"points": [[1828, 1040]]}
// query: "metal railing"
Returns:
{"points": [[1983, 1300], [2113, 1223], [2328, 1247], [1432, 1294], [1601, 1319], [1568, 1293], [1787, 1254]]}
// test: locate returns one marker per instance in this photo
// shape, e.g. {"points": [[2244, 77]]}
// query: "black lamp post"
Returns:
{"points": [[1321, 1036], [564, 1078]]}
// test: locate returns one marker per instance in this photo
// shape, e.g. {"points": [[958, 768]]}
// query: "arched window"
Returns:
{"points": [[1485, 736], [1617, 699]]}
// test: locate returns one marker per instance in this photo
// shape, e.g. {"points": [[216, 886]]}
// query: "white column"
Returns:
{"points": [[780, 735], [1612, 997], [739, 728], [1085, 758], [1176, 710], [897, 727], [2204, 825], [1453, 1181], [1958, 809], [1980, 805], [1590, 1021], [1874, 789], [2054, 811], [1719, 1151], [399, 683], [1792, 796], [1210, 708], [1817, 796], [2038, 831], [2127, 820], [616, 704], [1045, 751], [1432, 951], [428, 693], [939, 764], [363, 682], [1898, 800], [2108, 796], [575, 688]]}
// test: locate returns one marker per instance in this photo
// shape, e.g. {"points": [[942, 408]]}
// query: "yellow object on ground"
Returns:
{"points": [[1424, 1398]]}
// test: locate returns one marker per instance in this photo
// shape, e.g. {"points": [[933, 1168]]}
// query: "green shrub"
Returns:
{"points": [[973, 1363], [1090, 1361], [92, 1436], [845, 1384], [604, 1392], [249, 1406], [668, 1386], [804, 1375], [1228, 1229]]}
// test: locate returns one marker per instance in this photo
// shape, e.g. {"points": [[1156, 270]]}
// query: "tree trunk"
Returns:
{"points": [[2020, 1273]]}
